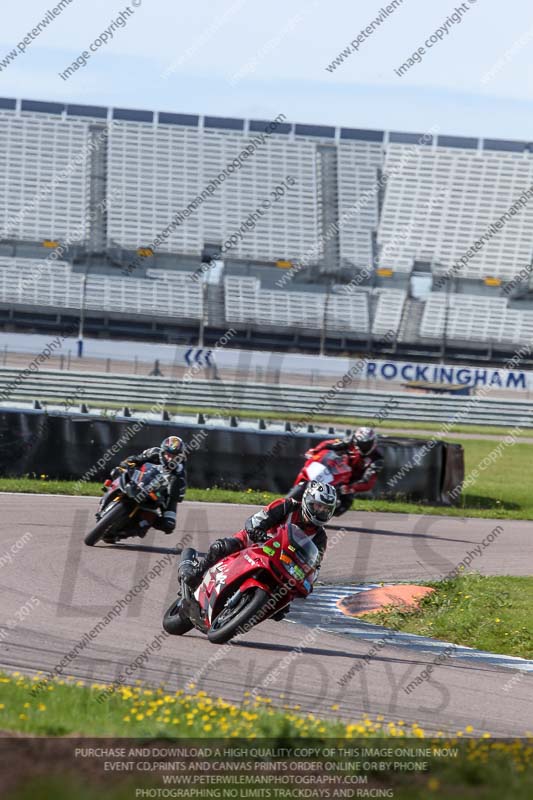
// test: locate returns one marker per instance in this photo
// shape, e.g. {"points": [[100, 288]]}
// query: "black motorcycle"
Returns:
{"points": [[130, 504]]}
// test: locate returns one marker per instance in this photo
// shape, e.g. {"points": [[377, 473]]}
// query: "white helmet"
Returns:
{"points": [[319, 501]]}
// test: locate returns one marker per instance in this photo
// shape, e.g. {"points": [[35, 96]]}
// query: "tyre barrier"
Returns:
{"points": [[84, 447]]}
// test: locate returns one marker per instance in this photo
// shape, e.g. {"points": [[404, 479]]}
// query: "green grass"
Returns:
{"points": [[46, 486], [66, 706], [503, 488], [482, 768], [488, 613]]}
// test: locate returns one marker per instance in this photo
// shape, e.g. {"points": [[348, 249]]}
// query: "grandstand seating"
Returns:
{"points": [[389, 310], [358, 166], [475, 318], [440, 200], [30, 282], [246, 302], [440, 195], [160, 170], [43, 191]]}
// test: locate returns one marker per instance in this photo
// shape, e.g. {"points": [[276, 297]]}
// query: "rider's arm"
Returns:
{"points": [[368, 479], [320, 539], [150, 456], [129, 461], [327, 444], [271, 515], [365, 484]]}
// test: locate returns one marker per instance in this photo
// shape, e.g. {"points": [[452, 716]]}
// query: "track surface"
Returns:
{"points": [[76, 586]]}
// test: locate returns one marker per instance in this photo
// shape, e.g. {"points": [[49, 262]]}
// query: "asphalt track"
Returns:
{"points": [[75, 587]]}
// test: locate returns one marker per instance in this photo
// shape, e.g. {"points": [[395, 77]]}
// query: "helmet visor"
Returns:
{"points": [[320, 511], [171, 459], [366, 446]]}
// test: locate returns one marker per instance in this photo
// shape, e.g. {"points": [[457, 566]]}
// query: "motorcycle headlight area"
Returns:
{"points": [[292, 568]]}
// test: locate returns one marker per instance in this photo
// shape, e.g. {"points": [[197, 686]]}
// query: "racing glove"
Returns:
{"points": [[353, 488], [258, 535], [122, 467]]}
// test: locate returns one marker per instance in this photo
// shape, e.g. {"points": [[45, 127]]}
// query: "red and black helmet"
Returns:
{"points": [[172, 452]]}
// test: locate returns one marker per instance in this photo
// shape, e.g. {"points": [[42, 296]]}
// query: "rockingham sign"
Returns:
{"points": [[406, 371], [377, 370]]}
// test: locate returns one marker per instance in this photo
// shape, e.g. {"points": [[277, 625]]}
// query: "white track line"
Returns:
{"points": [[323, 602]]}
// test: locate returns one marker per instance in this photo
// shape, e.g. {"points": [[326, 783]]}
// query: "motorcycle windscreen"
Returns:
{"points": [[305, 548], [336, 465], [152, 477], [316, 471]]}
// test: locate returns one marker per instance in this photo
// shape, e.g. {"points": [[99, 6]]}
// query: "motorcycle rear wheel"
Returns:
{"points": [[173, 621], [250, 606], [112, 521]]}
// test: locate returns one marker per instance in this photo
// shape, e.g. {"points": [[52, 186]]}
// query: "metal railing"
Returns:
{"points": [[100, 390]]}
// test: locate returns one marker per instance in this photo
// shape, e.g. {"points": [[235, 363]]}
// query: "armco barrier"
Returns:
{"points": [[74, 446], [354, 400]]}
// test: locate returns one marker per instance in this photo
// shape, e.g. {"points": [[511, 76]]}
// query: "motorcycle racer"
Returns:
{"points": [[315, 509], [363, 458], [171, 456]]}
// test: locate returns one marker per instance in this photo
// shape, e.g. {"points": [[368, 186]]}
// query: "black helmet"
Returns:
{"points": [[318, 502], [171, 452], [366, 440]]}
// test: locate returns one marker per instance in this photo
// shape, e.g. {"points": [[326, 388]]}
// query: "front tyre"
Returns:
{"points": [[175, 622], [250, 609], [113, 521]]}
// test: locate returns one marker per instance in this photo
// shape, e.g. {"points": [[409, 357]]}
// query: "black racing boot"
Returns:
{"points": [[192, 573]]}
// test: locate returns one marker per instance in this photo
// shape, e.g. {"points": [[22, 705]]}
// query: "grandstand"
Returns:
{"points": [[246, 302], [90, 194], [25, 282], [441, 199]]}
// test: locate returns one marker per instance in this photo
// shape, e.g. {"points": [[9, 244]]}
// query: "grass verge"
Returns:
{"points": [[489, 613], [45, 486], [66, 706], [480, 769]]}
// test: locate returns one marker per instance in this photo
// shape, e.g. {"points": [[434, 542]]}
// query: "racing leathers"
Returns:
{"points": [[177, 485], [365, 468], [362, 478], [258, 528]]}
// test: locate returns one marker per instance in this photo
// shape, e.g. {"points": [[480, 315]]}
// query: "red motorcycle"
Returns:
{"points": [[327, 466], [245, 588]]}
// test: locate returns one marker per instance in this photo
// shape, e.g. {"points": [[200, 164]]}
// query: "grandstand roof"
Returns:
{"points": [[224, 123]]}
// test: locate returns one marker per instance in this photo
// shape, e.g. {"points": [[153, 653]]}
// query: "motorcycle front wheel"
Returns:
{"points": [[112, 521], [249, 611]]}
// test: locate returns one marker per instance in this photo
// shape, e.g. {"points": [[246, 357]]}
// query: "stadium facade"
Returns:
{"points": [[150, 192]]}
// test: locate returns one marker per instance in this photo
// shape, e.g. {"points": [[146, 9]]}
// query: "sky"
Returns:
{"points": [[245, 58]]}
